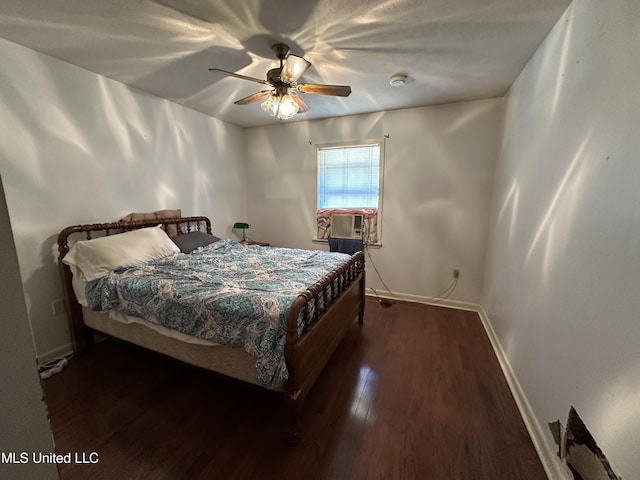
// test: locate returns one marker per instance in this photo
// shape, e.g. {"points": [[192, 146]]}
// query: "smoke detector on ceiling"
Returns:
{"points": [[397, 80]]}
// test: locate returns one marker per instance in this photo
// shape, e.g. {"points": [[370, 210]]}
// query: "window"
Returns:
{"points": [[348, 177], [350, 180]]}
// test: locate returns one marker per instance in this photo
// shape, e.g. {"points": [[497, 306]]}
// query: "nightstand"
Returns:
{"points": [[252, 242]]}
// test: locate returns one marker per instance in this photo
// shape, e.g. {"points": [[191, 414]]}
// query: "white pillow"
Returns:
{"points": [[96, 258], [79, 284]]}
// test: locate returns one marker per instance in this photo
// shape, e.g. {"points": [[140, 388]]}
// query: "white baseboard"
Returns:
{"points": [[551, 463], [426, 300], [63, 351]]}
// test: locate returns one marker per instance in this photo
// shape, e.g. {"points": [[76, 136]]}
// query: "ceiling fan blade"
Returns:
{"points": [[302, 106], [318, 89], [293, 68], [253, 98], [237, 75]]}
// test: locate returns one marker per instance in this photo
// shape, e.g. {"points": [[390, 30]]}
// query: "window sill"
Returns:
{"points": [[324, 240]]}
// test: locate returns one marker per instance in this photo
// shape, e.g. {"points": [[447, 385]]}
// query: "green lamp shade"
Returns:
{"points": [[244, 227]]}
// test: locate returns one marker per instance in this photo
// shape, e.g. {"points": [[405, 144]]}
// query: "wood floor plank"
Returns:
{"points": [[414, 393]]}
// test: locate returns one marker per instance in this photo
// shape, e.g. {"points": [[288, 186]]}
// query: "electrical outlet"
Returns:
{"points": [[57, 306], [456, 273]]}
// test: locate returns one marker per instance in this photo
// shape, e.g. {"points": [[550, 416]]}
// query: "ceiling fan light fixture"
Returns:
{"points": [[270, 105], [293, 68], [282, 106], [288, 107], [281, 98]]}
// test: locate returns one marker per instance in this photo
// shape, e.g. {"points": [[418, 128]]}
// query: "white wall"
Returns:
{"points": [[439, 164], [563, 267], [23, 418], [79, 148]]}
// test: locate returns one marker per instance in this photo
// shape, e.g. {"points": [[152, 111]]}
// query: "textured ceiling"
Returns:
{"points": [[451, 50]]}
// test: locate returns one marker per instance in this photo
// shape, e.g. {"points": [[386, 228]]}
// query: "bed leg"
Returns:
{"points": [[362, 299], [89, 340], [83, 342], [361, 312], [294, 436], [294, 411]]}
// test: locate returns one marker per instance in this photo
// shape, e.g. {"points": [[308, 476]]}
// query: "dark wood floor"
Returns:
{"points": [[415, 393]]}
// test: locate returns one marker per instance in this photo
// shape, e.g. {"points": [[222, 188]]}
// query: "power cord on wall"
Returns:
{"points": [[446, 293], [386, 302]]}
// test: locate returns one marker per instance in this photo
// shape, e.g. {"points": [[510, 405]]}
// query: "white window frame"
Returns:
{"points": [[356, 143]]}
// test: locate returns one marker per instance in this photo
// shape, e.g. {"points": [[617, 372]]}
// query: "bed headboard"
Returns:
{"points": [[73, 309]]}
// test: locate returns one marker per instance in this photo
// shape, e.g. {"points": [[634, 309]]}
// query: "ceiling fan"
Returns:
{"points": [[282, 99]]}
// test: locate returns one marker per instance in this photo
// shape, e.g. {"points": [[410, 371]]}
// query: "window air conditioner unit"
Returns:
{"points": [[346, 225]]}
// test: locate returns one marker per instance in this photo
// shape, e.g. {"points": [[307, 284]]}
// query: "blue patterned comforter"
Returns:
{"points": [[227, 292]]}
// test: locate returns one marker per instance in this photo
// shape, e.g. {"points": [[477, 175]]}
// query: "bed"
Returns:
{"points": [[314, 315]]}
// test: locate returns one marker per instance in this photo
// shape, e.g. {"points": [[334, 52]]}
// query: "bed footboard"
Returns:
{"points": [[313, 334]]}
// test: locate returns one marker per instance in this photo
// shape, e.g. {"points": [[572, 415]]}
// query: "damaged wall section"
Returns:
{"points": [[579, 451]]}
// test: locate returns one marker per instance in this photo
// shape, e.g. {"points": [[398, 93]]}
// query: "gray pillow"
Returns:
{"points": [[188, 242]]}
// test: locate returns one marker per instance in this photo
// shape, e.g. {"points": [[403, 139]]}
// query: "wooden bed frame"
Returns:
{"points": [[340, 294]]}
